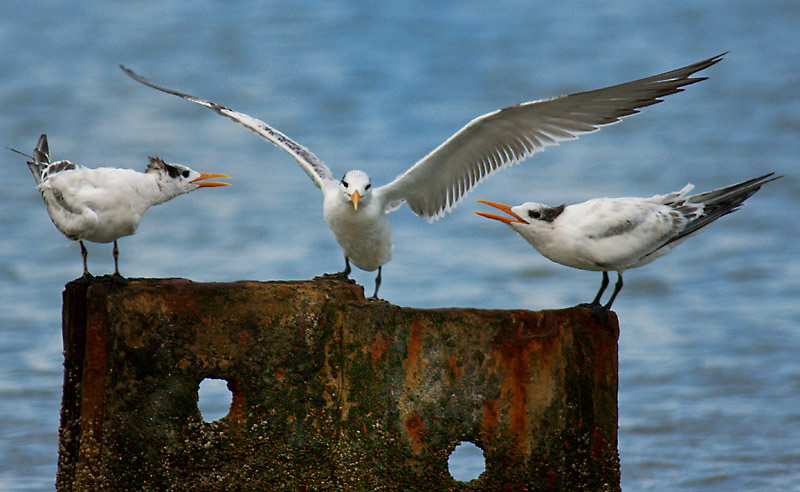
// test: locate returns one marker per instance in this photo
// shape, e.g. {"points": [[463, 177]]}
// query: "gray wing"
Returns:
{"points": [[309, 162], [505, 137]]}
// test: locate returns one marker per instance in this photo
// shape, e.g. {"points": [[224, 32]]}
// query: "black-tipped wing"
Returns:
{"points": [[505, 137], [720, 202], [309, 162]]}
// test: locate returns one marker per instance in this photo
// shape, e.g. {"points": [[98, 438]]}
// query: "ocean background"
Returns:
{"points": [[709, 394]]}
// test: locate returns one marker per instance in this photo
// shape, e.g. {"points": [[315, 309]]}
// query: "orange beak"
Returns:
{"points": [[210, 184], [504, 208], [355, 197]]}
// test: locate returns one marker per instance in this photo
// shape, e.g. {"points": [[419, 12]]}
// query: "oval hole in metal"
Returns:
{"points": [[214, 399], [466, 462]]}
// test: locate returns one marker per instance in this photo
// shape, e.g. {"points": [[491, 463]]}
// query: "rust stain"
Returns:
{"points": [[378, 347], [525, 346], [415, 426], [243, 338], [239, 401], [453, 374], [604, 350], [489, 419], [551, 479], [599, 446], [94, 369], [412, 363]]}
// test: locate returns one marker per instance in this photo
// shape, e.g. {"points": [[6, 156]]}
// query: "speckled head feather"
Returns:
{"points": [[158, 165]]}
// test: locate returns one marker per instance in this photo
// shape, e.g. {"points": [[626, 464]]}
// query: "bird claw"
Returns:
{"points": [[86, 277], [336, 276], [598, 311], [117, 279]]}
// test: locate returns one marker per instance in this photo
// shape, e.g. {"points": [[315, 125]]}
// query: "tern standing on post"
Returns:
{"points": [[356, 213], [104, 204], [607, 234]]}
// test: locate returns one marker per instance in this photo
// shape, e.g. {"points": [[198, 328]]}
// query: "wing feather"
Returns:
{"points": [[505, 137], [310, 163]]}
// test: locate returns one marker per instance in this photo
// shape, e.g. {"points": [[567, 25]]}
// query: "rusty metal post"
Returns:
{"points": [[330, 391]]}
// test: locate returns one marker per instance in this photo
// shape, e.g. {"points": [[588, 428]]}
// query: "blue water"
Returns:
{"points": [[709, 394]]}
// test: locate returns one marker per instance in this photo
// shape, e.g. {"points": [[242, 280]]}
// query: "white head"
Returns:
{"points": [[529, 216], [175, 179], [355, 187]]}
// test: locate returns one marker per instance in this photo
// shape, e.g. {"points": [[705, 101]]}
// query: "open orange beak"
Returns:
{"points": [[210, 184], [504, 208], [355, 197]]}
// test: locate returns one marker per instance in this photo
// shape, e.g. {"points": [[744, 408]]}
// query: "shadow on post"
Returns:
{"points": [[330, 391]]}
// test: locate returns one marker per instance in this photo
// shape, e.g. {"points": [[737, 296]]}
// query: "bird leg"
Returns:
{"points": [[84, 254], [617, 288], [598, 310], [343, 274], [602, 311], [603, 285], [377, 284], [117, 277]]}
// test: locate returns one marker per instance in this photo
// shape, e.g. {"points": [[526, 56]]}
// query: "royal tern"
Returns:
{"points": [[104, 204], [356, 213], [607, 234]]}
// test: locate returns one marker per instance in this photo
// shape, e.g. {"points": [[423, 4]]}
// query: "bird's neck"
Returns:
{"points": [[154, 190]]}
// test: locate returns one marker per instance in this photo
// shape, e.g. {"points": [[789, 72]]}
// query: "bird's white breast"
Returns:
{"points": [[364, 235]]}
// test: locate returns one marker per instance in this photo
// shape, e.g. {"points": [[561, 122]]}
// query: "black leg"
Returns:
{"points": [[115, 252], [377, 283], [596, 301], [84, 254], [617, 288], [117, 277]]}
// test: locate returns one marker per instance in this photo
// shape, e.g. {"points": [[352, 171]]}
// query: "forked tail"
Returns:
{"points": [[723, 201]]}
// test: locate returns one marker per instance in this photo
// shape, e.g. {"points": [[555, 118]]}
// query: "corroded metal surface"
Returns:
{"points": [[330, 391]]}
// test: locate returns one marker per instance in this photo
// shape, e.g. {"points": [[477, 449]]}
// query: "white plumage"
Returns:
{"points": [[608, 234], [101, 205], [434, 185]]}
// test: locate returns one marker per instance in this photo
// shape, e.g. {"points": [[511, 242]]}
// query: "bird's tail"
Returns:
{"points": [[41, 159], [714, 204]]}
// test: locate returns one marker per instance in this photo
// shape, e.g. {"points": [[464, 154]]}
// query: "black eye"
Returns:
{"points": [[344, 183], [368, 186], [185, 174], [534, 215]]}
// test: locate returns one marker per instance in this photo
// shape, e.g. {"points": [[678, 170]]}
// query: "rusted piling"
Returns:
{"points": [[330, 391]]}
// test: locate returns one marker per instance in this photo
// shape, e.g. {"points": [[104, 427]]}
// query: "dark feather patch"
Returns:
{"points": [[55, 168], [158, 165], [550, 214], [623, 227]]}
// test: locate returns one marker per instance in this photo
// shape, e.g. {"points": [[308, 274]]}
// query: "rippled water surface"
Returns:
{"points": [[709, 394]]}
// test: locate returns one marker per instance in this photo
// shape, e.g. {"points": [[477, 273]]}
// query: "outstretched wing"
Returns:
{"points": [[310, 163], [505, 137]]}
